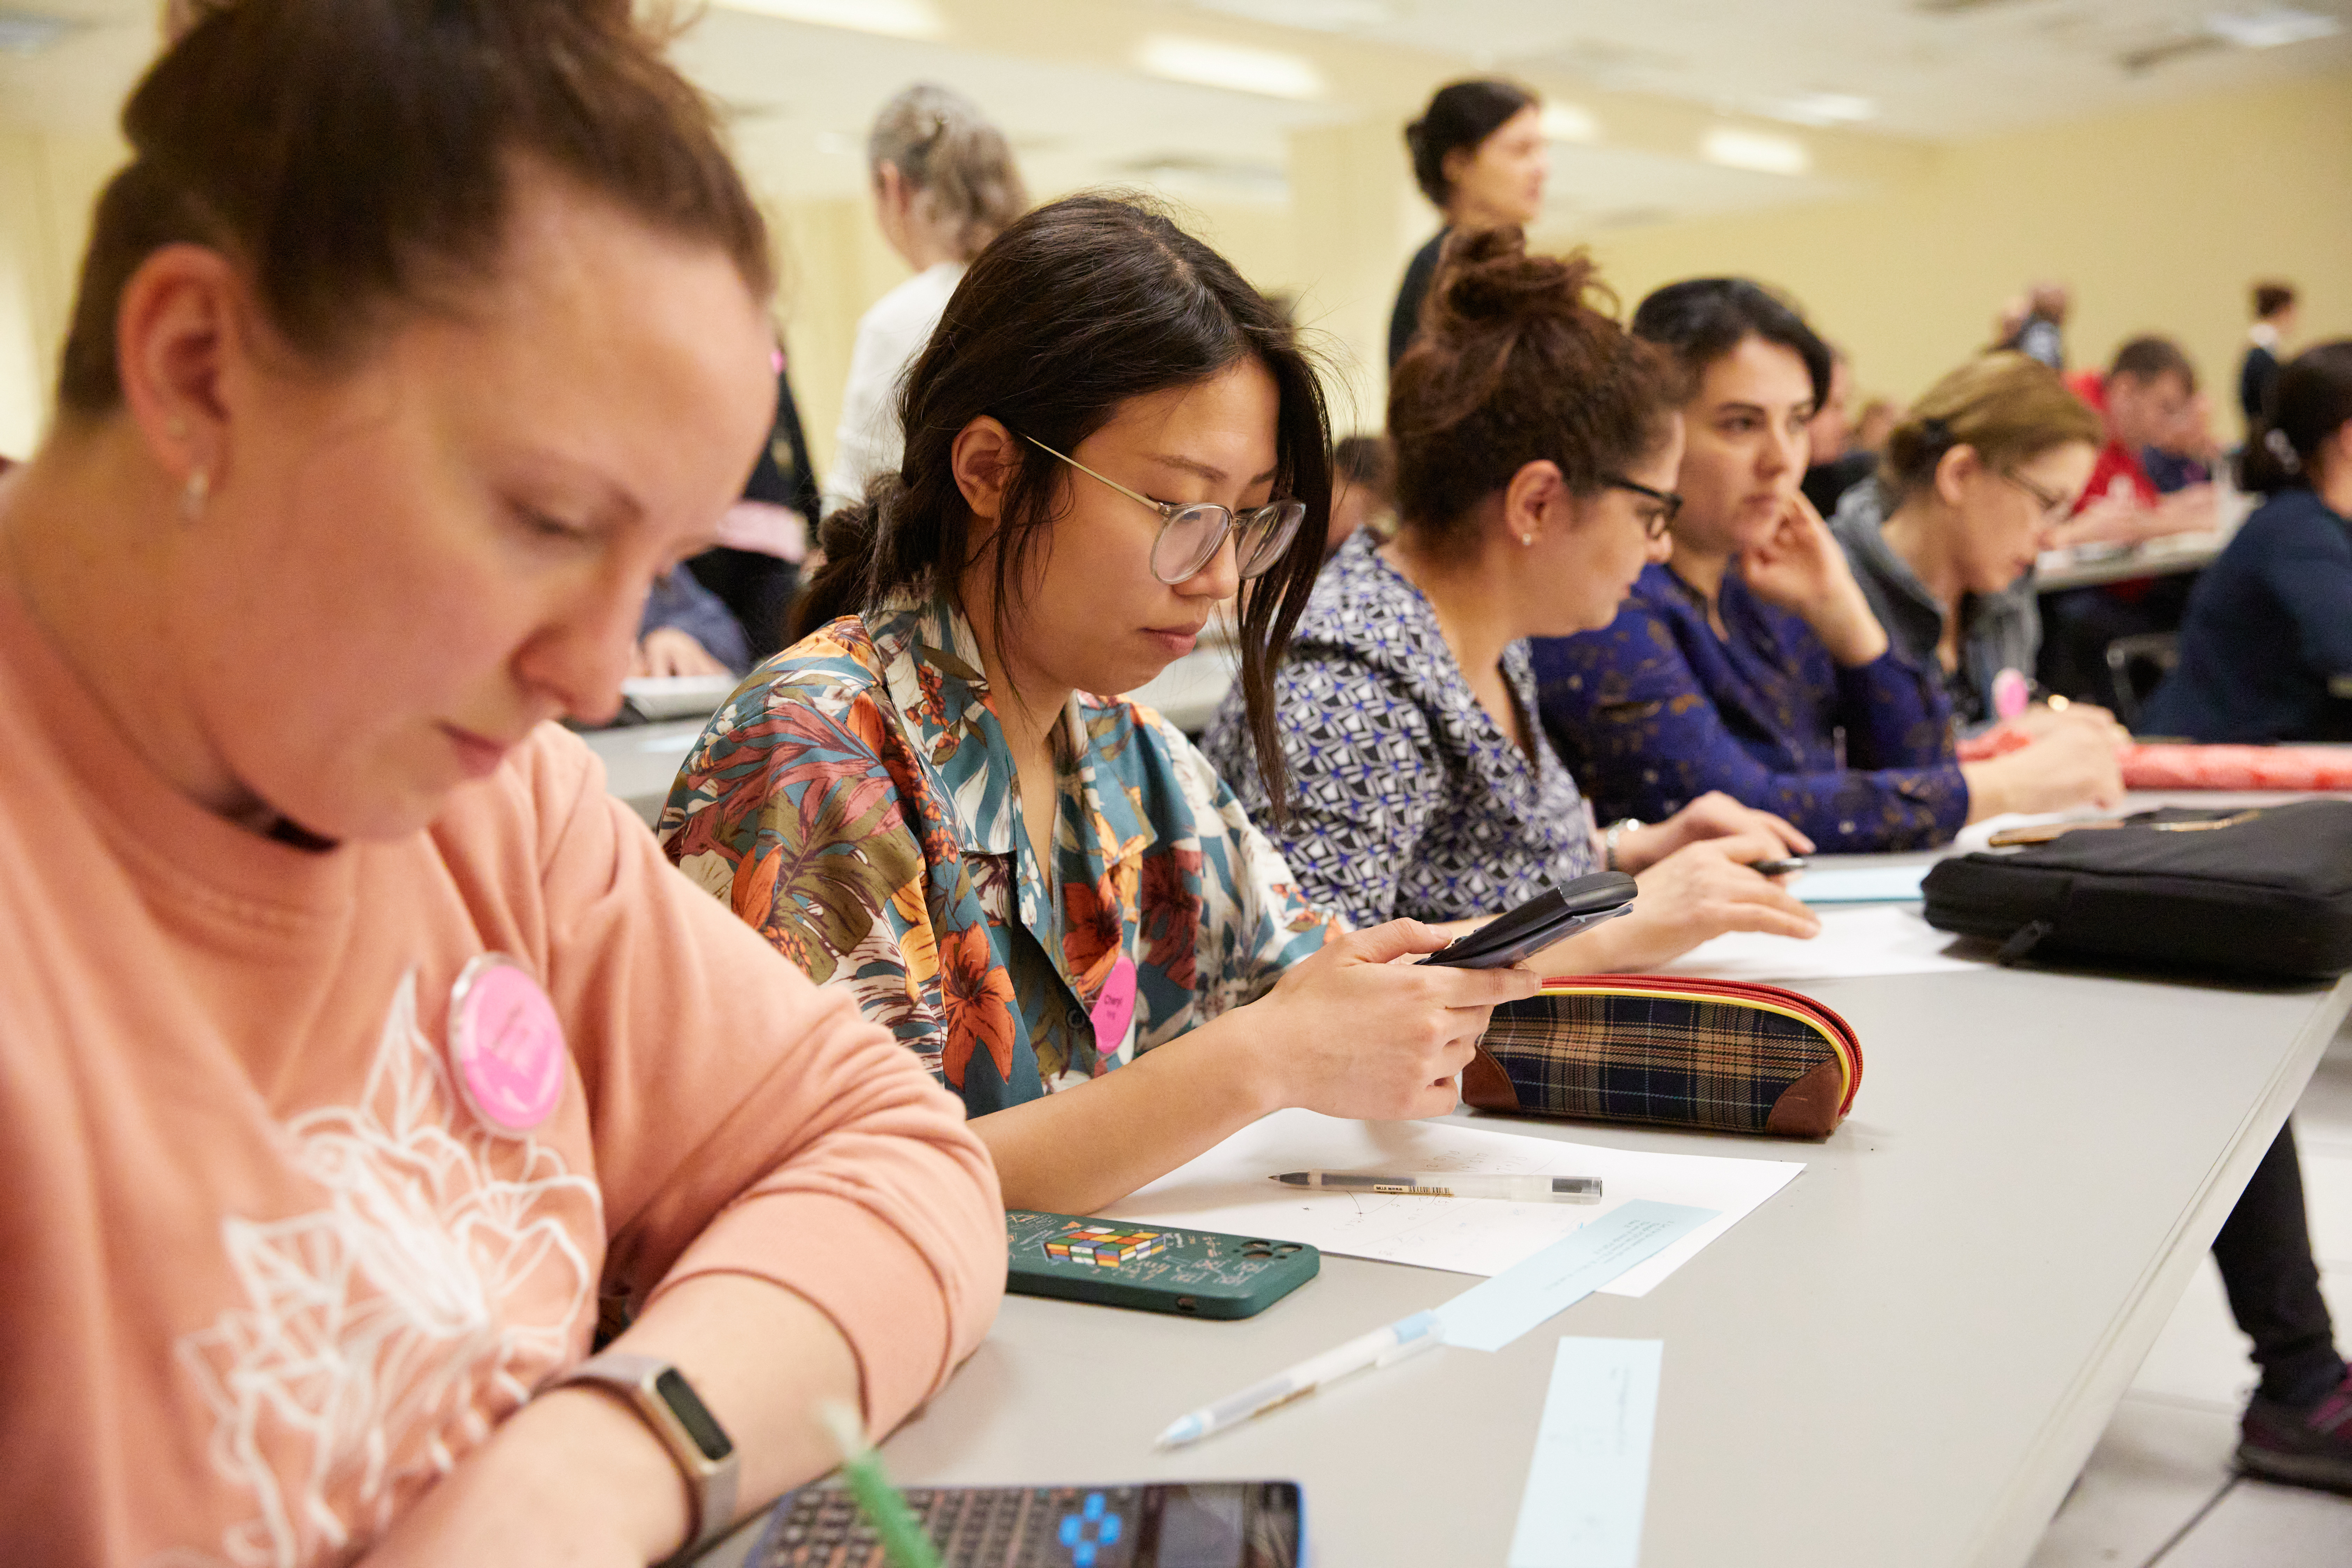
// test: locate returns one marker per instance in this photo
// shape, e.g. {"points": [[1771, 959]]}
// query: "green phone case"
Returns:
{"points": [[1197, 1273]]}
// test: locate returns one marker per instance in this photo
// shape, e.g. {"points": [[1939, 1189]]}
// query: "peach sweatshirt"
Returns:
{"points": [[267, 1276]]}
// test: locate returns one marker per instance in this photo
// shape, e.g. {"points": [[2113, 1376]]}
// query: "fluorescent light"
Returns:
{"points": [[1570, 122], [1818, 108], [1207, 63], [1758, 150], [894, 18], [2268, 28]]}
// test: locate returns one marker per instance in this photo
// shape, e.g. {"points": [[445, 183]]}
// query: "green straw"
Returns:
{"points": [[904, 1539]]}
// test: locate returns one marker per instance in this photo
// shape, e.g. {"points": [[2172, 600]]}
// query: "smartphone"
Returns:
{"points": [[1781, 868], [1193, 1273], [1193, 1524], [1543, 919]]}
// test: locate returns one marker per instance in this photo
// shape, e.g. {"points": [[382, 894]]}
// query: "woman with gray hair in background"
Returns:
{"points": [[944, 186]]}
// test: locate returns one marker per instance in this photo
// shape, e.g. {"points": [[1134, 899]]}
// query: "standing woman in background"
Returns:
{"points": [[1478, 156], [1752, 662], [2267, 640], [944, 186]]}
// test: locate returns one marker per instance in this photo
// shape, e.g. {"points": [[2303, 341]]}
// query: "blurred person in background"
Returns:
{"points": [[944, 186], [2042, 333], [2274, 311], [1363, 493], [1838, 463], [1479, 156]]}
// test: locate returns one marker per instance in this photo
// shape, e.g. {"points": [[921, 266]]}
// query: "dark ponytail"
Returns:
{"points": [[1519, 359], [2310, 400], [1074, 310]]}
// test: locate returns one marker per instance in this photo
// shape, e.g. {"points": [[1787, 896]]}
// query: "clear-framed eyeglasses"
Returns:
{"points": [[2054, 506], [1191, 532]]}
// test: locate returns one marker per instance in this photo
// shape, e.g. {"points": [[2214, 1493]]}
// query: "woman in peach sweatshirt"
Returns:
{"points": [[357, 1051]]}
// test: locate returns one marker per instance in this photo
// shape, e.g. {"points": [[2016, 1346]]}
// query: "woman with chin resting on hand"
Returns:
{"points": [[1536, 444], [1045, 893], [1750, 661], [363, 1058]]}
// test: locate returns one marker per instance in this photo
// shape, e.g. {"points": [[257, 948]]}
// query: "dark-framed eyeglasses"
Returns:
{"points": [[1191, 532], [1670, 503], [2053, 507]]}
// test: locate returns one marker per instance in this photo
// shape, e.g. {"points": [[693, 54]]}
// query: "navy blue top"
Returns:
{"points": [[2267, 626], [1656, 711]]}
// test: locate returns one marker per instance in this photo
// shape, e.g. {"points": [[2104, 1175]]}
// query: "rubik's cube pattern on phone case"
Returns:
{"points": [[1105, 1246]]}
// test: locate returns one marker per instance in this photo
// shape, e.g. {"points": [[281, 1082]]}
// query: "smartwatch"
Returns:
{"points": [[698, 1444]]}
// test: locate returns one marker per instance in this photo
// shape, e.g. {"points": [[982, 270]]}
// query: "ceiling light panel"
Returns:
{"points": [[1817, 108], [1207, 62], [892, 18], [1570, 122], [1763, 151], [2271, 27]]}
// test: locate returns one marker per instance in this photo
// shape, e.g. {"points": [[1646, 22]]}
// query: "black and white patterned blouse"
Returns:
{"points": [[1406, 797]]}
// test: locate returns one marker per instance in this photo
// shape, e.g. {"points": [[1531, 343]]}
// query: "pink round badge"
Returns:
{"points": [[2011, 694], [1114, 1007], [506, 1044]]}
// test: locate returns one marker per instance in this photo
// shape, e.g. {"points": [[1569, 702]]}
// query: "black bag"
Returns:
{"points": [[2266, 890]]}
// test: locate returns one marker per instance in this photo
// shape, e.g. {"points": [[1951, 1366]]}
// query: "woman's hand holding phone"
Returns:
{"points": [[1352, 1033]]}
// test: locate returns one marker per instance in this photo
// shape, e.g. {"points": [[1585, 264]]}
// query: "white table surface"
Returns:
{"points": [[2164, 557], [1903, 1358]]}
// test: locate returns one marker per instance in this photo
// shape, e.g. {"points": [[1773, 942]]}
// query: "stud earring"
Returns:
{"points": [[198, 491], [1526, 538]]}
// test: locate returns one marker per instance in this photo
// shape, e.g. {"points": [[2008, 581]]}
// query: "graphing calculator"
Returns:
{"points": [[1197, 1524], [1197, 1273]]}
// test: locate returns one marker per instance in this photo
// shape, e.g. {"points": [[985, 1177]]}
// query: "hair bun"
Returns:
{"points": [[1489, 277]]}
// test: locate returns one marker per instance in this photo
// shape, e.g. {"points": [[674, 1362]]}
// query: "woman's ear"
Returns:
{"points": [[178, 332], [983, 460], [1954, 470], [1536, 501]]}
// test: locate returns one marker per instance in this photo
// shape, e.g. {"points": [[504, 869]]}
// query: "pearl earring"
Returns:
{"points": [[1526, 538], [198, 491]]}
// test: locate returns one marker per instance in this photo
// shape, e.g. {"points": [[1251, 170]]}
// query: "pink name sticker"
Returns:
{"points": [[506, 1044], [1114, 1009], [2010, 694]]}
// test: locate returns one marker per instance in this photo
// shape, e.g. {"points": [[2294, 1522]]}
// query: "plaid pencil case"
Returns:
{"points": [[1716, 1055]]}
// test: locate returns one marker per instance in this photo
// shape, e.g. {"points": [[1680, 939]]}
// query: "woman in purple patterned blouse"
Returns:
{"points": [[1750, 662]]}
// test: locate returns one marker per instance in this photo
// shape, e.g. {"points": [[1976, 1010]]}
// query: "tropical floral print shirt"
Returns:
{"points": [[856, 801]]}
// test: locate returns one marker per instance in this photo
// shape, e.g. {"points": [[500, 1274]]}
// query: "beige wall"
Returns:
{"points": [[2159, 220], [47, 185]]}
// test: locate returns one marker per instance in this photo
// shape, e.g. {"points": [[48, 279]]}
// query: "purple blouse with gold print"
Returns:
{"points": [[1657, 710], [854, 800]]}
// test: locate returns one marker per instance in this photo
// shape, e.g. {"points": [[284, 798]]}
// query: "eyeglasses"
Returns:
{"points": [[1670, 503], [1191, 533], [2053, 507]]}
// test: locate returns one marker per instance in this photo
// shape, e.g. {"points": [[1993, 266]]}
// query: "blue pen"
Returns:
{"points": [[1382, 1347]]}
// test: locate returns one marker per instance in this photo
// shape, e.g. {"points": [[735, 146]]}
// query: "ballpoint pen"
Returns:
{"points": [[1382, 1347], [1446, 1184]]}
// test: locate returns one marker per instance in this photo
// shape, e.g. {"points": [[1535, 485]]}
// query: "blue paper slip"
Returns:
{"points": [[1488, 1316], [1862, 885], [1590, 1476]]}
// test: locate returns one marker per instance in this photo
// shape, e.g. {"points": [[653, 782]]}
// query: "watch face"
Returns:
{"points": [[709, 1439]]}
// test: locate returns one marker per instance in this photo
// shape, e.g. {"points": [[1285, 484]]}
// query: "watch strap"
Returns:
{"points": [[665, 1401]]}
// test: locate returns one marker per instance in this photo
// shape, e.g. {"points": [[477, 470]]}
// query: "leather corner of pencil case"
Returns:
{"points": [[1709, 1055]]}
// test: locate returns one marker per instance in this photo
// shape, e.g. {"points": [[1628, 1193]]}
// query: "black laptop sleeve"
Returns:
{"points": [[2264, 891]]}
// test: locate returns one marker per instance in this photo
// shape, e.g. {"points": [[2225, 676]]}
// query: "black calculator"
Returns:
{"points": [[1191, 1524]]}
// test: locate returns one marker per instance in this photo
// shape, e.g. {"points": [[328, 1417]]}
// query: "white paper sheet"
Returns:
{"points": [[1856, 940], [1230, 1188], [1895, 884]]}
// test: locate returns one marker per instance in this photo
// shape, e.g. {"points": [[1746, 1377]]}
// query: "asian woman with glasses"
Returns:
{"points": [[1046, 893], [1536, 448], [1752, 662]]}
